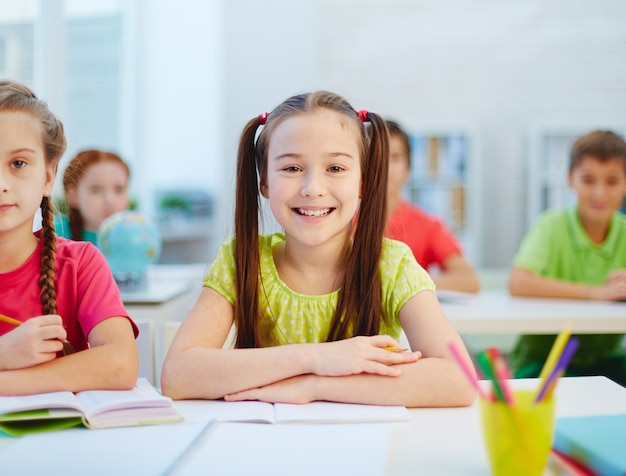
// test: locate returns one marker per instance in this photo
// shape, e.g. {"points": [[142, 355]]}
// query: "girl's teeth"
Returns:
{"points": [[314, 213]]}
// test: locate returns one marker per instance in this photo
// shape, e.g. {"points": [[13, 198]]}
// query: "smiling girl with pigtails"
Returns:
{"points": [[318, 309]]}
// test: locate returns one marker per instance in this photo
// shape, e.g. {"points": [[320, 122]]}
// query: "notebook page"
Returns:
{"points": [[248, 411], [38, 401], [332, 412], [142, 396]]}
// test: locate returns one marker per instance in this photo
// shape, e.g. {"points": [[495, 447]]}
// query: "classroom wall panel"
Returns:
{"points": [[498, 66]]}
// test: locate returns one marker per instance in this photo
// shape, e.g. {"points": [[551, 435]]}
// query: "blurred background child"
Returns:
{"points": [[432, 243], [579, 253], [96, 186]]}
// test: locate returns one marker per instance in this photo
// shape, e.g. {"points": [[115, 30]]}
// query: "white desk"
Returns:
{"points": [[497, 312], [165, 286], [449, 442], [435, 442]]}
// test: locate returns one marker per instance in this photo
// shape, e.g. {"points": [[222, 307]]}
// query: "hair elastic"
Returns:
{"points": [[363, 115], [263, 117]]}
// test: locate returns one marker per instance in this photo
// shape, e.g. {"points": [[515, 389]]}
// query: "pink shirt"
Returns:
{"points": [[85, 289], [426, 235]]}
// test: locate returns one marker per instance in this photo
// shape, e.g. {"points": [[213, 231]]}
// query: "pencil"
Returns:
{"points": [[67, 347], [555, 353], [502, 373], [467, 370], [485, 364], [548, 385], [393, 348], [10, 320]]}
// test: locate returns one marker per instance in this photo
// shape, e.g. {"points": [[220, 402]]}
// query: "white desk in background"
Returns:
{"points": [[446, 442], [496, 312], [165, 289]]}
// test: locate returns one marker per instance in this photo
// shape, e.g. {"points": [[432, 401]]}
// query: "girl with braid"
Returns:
{"points": [[62, 292], [317, 309], [96, 186]]}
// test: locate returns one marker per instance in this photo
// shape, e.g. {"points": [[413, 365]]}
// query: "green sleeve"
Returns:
{"points": [[401, 277], [221, 275]]}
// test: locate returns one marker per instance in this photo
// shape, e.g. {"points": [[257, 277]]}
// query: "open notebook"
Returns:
{"points": [[314, 412], [142, 405]]}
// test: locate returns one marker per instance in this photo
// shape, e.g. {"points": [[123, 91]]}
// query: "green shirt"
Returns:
{"points": [[62, 227], [288, 317], [558, 247]]}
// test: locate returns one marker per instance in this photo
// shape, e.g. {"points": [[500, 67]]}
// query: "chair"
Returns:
{"points": [[168, 331], [145, 348]]}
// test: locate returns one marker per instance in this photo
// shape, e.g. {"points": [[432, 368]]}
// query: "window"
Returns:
{"points": [[17, 39], [72, 53]]}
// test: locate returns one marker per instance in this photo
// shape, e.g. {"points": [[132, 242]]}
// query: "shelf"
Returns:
{"points": [[444, 181], [186, 240], [186, 229]]}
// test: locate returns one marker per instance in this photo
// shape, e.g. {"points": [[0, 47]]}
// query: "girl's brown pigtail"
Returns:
{"points": [[48, 258], [368, 237], [360, 301], [247, 265]]}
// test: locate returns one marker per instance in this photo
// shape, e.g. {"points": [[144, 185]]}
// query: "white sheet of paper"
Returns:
{"points": [[202, 410], [330, 412], [315, 412], [142, 450], [238, 448]]}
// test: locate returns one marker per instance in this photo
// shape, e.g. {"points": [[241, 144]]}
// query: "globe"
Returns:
{"points": [[130, 243]]}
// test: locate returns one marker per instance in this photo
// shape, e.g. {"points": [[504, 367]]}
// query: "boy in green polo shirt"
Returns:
{"points": [[579, 253]]}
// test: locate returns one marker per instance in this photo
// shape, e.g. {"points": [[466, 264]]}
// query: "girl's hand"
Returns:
{"points": [[360, 355], [34, 342], [297, 389]]}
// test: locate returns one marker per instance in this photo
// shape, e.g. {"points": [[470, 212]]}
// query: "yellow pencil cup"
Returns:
{"points": [[518, 438]]}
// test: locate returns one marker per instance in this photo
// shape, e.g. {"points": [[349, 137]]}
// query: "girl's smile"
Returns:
{"points": [[313, 212]]}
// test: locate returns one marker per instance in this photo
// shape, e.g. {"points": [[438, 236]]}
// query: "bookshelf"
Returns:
{"points": [[444, 181], [548, 166]]}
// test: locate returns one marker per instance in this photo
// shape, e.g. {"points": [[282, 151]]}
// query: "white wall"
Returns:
{"points": [[204, 69], [501, 67], [498, 66], [179, 96], [271, 51]]}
